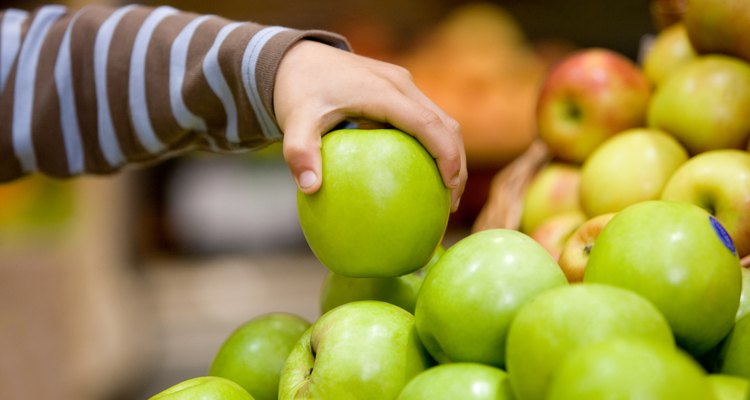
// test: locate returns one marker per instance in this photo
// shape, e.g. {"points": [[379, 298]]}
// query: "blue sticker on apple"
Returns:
{"points": [[723, 234]]}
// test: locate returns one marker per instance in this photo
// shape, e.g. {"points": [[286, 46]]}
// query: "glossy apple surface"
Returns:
{"points": [[360, 350], [466, 381], [553, 191], [719, 182], [588, 97], [575, 253], [679, 257], [204, 388], [705, 104], [670, 50], [556, 323], [628, 168], [471, 295], [254, 353], [728, 387], [733, 354], [382, 209], [630, 369], [745, 296]]}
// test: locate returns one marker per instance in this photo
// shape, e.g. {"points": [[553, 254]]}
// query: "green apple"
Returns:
{"points": [[382, 209], [359, 350], [401, 290], [552, 191], [719, 182], [556, 323], [254, 353], [745, 296], [705, 104], [471, 295], [554, 231], [728, 387], [630, 369], [586, 98], [204, 388], [465, 381], [719, 26], [575, 252], [733, 352], [628, 168], [679, 257], [670, 50]]}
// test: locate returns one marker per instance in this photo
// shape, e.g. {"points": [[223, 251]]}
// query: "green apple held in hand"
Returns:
{"points": [[719, 182], [575, 252], [553, 232], [630, 369], [680, 258], [361, 350], [471, 295], [204, 388], [728, 387], [254, 353], [719, 26], [465, 381], [588, 97], [670, 50], [552, 191], [556, 323], [733, 353], [628, 168], [705, 104], [382, 209], [400, 291]]}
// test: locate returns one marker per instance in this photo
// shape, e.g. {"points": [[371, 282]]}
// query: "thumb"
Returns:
{"points": [[301, 147]]}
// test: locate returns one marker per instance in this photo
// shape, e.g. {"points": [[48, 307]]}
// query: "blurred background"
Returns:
{"points": [[118, 287]]}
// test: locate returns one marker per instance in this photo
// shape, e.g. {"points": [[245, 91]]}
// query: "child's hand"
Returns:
{"points": [[319, 86]]}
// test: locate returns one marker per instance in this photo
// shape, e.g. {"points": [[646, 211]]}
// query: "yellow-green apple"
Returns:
{"points": [[552, 191], [575, 252], [204, 388], [744, 308], [719, 182], [401, 290], [555, 323], [465, 381], [481, 281], [680, 258], [728, 387], [669, 50], [719, 26], [360, 350], [705, 104], [253, 355], [589, 96], [554, 231], [382, 209], [628, 168], [733, 353], [629, 368]]}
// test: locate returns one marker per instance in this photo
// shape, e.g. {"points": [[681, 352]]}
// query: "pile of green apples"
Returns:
{"points": [[623, 281]]}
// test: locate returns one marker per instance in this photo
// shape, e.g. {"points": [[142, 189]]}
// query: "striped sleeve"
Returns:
{"points": [[91, 91]]}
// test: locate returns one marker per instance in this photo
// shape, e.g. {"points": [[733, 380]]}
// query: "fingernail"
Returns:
{"points": [[455, 180], [307, 179]]}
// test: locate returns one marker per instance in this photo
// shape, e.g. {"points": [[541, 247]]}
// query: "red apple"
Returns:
{"points": [[553, 190], [575, 252], [555, 231], [588, 97]]}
